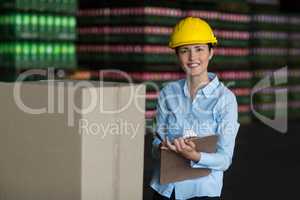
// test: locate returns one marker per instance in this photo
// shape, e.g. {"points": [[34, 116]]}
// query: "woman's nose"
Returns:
{"points": [[192, 55]]}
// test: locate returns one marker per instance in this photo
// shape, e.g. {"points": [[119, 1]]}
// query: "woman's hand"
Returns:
{"points": [[184, 147], [163, 145]]}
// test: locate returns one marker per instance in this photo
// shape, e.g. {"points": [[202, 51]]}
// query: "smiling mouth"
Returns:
{"points": [[193, 65]]}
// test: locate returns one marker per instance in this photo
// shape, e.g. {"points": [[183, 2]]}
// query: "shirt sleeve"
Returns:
{"points": [[161, 123], [227, 130]]}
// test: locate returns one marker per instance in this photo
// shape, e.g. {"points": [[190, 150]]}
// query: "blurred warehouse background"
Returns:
{"points": [[256, 37]]}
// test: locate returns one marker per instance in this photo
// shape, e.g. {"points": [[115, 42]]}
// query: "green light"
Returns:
{"points": [[56, 49], [50, 20], [34, 49], [42, 48], [26, 19], [26, 48], [18, 19], [49, 49], [72, 22], [65, 21], [71, 49], [57, 21], [18, 48], [64, 49], [42, 20], [34, 20]]}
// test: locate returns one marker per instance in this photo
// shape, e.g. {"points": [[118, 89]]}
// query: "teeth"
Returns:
{"points": [[194, 65]]}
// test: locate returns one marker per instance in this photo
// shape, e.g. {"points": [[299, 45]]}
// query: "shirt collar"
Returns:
{"points": [[206, 90]]}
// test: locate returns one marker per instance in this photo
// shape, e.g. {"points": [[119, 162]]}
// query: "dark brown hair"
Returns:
{"points": [[210, 46]]}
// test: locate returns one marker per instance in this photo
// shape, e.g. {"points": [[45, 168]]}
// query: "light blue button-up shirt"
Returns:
{"points": [[213, 111]]}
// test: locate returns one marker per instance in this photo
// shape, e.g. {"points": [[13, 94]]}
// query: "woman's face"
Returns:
{"points": [[194, 58]]}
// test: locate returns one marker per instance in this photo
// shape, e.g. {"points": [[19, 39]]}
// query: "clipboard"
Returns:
{"points": [[174, 167]]}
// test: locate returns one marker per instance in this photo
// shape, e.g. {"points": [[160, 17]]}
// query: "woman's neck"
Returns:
{"points": [[197, 82]]}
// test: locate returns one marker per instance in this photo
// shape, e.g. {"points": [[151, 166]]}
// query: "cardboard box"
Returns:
{"points": [[50, 151]]}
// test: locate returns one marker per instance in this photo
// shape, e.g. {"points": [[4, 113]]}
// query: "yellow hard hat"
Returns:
{"points": [[192, 30]]}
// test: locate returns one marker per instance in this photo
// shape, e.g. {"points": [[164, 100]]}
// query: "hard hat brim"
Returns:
{"points": [[213, 42]]}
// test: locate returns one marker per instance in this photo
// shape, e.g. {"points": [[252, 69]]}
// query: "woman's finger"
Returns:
{"points": [[164, 148], [182, 143], [177, 145], [171, 146], [191, 144]]}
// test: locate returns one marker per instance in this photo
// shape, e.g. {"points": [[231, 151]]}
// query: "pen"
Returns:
{"points": [[159, 137]]}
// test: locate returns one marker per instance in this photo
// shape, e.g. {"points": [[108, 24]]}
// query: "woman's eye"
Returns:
{"points": [[199, 49], [183, 51]]}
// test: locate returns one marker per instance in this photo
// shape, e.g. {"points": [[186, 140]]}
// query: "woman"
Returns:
{"points": [[199, 105]]}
